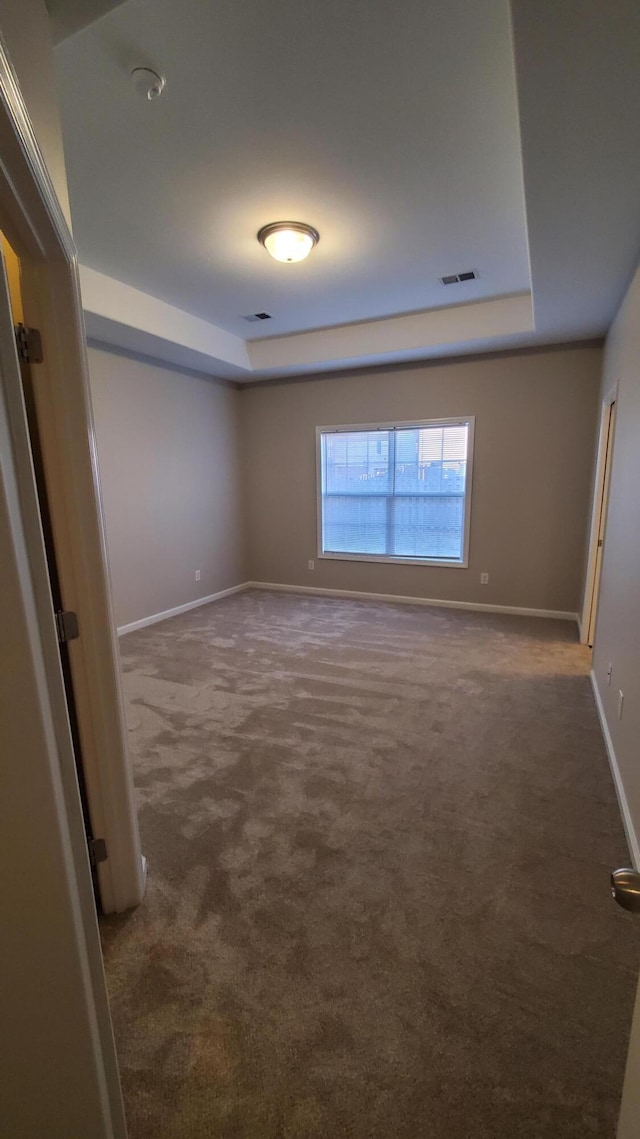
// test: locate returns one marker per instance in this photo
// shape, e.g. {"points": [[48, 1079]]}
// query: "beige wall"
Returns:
{"points": [[617, 639], [168, 450], [170, 447], [535, 430]]}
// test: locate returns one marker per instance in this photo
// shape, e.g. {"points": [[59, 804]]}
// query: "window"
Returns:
{"points": [[395, 491]]}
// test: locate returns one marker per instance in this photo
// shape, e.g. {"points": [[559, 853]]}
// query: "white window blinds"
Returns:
{"points": [[395, 491]]}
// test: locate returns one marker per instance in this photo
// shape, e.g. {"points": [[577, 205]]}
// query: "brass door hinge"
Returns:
{"points": [[67, 626], [97, 851], [29, 344]]}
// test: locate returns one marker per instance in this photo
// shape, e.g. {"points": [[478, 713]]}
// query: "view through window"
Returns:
{"points": [[396, 491]]}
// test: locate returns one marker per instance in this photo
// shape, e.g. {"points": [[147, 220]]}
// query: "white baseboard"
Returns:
{"points": [[155, 617], [355, 595], [627, 821]]}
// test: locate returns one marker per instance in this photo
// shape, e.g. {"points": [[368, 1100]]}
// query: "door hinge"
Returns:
{"points": [[67, 626], [29, 344], [600, 543], [97, 850]]}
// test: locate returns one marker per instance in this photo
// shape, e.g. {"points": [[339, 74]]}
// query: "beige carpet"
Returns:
{"points": [[379, 840]]}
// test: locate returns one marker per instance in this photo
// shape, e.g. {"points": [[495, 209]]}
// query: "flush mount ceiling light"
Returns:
{"points": [[288, 240]]}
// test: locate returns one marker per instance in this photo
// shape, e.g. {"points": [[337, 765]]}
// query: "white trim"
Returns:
{"points": [[33, 222], [389, 559], [357, 595], [468, 421], [175, 612], [627, 821], [67, 437], [55, 818], [596, 514]]}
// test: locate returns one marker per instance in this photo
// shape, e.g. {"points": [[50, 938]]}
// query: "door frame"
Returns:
{"points": [[58, 1052], [33, 222], [603, 463]]}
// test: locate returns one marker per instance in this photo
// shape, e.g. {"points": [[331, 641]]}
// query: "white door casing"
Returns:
{"points": [[598, 518], [59, 1068], [602, 524], [33, 222]]}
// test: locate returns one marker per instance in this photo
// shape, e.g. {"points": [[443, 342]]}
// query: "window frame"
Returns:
{"points": [[468, 421]]}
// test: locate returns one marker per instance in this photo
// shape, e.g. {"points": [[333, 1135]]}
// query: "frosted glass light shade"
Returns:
{"points": [[288, 240]]}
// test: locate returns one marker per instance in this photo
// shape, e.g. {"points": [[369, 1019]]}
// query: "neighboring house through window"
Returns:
{"points": [[396, 491]]}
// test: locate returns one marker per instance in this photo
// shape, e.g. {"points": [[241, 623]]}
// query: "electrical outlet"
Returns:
{"points": [[197, 575], [609, 672], [311, 564], [484, 579], [620, 703]]}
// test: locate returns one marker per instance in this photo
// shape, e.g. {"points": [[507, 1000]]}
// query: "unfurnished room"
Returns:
{"points": [[319, 438]]}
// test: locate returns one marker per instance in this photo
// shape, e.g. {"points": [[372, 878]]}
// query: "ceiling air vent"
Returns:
{"points": [[457, 278], [253, 316]]}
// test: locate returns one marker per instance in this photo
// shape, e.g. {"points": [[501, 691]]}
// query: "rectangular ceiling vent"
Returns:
{"points": [[457, 278], [253, 316]]}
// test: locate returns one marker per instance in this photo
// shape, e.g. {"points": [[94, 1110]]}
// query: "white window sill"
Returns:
{"points": [[394, 561]]}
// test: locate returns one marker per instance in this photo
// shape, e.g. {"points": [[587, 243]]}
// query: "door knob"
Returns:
{"points": [[625, 888]]}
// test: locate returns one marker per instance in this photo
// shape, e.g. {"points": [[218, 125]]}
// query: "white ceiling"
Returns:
{"points": [[578, 68], [395, 129]]}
